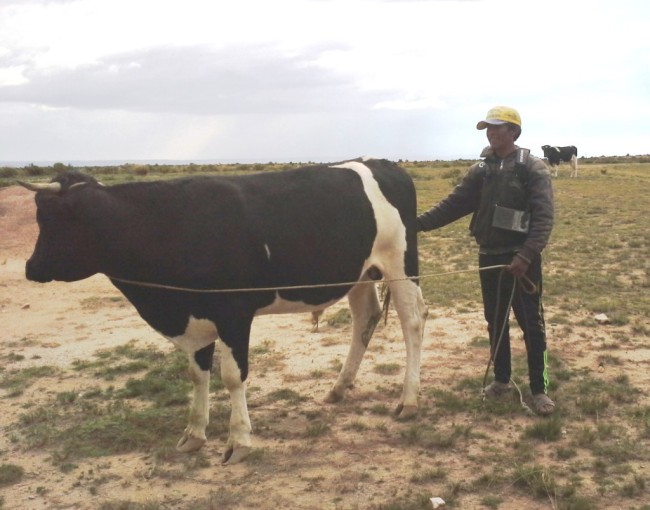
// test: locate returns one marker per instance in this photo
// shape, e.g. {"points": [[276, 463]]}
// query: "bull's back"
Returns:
{"points": [[297, 227]]}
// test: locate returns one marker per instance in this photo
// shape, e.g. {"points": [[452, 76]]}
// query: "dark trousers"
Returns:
{"points": [[528, 312]]}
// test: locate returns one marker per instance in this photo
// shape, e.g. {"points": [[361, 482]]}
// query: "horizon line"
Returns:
{"points": [[227, 161]]}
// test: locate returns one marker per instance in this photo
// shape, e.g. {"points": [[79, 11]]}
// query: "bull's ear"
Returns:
{"points": [[50, 187]]}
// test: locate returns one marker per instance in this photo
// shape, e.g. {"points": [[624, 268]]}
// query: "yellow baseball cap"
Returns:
{"points": [[500, 115]]}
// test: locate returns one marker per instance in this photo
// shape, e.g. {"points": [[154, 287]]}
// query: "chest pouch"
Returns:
{"points": [[511, 219]]}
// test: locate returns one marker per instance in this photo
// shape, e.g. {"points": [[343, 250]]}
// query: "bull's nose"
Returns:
{"points": [[32, 273]]}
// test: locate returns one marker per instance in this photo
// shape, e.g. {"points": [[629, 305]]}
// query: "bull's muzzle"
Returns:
{"points": [[33, 274]]}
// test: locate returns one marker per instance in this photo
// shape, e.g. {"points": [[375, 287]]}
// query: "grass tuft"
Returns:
{"points": [[10, 474]]}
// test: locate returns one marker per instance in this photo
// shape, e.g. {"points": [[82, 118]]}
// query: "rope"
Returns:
{"points": [[309, 286]]}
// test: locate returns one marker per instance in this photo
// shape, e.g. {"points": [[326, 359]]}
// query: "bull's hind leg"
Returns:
{"points": [[412, 312], [366, 313]]}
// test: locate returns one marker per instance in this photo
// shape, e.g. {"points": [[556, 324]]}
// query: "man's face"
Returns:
{"points": [[501, 137]]}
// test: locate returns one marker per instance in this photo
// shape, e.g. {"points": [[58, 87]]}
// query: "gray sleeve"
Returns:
{"points": [[540, 200], [460, 202]]}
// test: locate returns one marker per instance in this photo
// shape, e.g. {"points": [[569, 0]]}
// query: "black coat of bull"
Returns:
{"points": [[301, 227]]}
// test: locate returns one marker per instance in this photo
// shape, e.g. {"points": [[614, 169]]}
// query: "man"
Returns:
{"points": [[511, 198]]}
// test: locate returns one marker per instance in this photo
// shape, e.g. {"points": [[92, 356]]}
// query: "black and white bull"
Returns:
{"points": [[555, 155], [350, 222]]}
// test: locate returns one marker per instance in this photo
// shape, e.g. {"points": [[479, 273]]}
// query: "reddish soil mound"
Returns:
{"points": [[17, 221]]}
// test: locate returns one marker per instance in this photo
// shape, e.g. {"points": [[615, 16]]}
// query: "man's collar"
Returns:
{"points": [[488, 153]]}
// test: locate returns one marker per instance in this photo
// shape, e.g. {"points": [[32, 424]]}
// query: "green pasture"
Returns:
{"points": [[597, 259]]}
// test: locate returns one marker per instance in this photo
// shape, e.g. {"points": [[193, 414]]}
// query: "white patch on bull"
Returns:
{"points": [[390, 242], [268, 251], [198, 334]]}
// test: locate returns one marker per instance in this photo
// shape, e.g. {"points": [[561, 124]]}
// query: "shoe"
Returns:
{"points": [[543, 405], [497, 389]]}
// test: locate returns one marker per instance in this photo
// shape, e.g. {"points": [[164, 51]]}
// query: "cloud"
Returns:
{"points": [[194, 80]]}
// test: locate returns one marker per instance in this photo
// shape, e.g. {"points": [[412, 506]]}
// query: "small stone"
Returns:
{"points": [[437, 502], [602, 318]]}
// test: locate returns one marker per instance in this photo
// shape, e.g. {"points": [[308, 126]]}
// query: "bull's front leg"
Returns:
{"points": [[233, 351], [193, 437], [239, 439]]}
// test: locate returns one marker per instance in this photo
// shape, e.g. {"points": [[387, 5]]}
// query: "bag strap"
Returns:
{"points": [[521, 165]]}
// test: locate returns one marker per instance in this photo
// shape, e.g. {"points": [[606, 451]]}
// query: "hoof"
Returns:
{"points": [[236, 455], [189, 444], [406, 412], [333, 397]]}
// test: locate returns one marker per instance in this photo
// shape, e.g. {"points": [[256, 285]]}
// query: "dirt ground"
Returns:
{"points": [[346, 468]]}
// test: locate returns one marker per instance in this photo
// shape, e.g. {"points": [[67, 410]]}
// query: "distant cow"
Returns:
{"points": [[308, 229], [555, 155]]}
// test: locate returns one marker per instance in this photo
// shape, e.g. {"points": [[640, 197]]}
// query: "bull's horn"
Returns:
{"points": [[50, 187]]}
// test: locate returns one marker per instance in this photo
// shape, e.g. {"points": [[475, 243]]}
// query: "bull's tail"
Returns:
{"points": [[385, 294]]}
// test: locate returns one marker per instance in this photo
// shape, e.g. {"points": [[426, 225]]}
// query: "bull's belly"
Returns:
{"points": [[280, 305]]}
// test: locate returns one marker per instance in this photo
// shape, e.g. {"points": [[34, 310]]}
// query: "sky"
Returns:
{"points": [[317, 80]]}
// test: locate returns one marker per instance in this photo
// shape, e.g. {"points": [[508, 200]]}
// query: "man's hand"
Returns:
{"points": [[518, 266]]}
